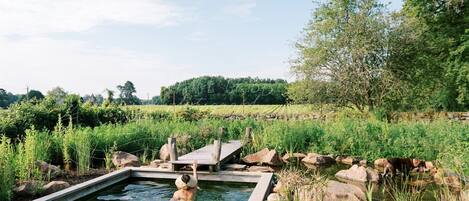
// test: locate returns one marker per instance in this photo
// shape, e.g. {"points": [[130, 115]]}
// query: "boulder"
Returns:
{"points": [[465, 195], [380, 164], [317, 159], [278, 187], [28, 188], [260, 169], [164, 152], [264, 156], [448, 178], [363, 162], [337, 191], [124, 159], [274, 197], [358, 174], [48, 169], [55, 186], [288, 157], [348, 160]]}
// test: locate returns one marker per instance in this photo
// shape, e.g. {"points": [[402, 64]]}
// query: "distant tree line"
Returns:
{"points": [[58, 95], [220, 90]]}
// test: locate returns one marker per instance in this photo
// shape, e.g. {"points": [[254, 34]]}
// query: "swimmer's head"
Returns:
{"points": [[186, 181]]}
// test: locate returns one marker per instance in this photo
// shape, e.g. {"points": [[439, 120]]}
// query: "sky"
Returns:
{"points": [[86, 46]]}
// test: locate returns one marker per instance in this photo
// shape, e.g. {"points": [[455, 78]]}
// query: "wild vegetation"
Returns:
{"points": [[82, 148]]}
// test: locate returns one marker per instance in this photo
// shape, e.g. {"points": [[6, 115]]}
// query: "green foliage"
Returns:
{"points": [[7, 169], [344, 52], [126, 95], [190, 114], [220, 90], [43, 115], [6, 98]]}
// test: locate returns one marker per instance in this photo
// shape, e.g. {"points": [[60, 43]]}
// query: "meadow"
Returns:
{"points": [[82, 148]]}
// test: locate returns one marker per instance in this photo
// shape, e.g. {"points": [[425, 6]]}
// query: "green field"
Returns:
{"points": [[241, 110]]}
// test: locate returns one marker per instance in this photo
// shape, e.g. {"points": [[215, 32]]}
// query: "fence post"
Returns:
{"points": [[217, 150], [172, 149], [248, 135]]}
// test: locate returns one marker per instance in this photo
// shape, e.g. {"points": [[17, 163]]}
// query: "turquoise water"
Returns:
{"points": [[164, 189]]}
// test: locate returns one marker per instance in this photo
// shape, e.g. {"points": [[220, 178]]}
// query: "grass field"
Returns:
{"points": [[241, 110]]}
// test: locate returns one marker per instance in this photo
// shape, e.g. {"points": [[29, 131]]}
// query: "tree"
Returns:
{"points": [[32, 95], [220, 90], [127, 93], [438, 62], [58, 94], [346, 46]]}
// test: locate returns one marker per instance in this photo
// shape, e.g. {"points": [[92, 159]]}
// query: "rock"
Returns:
{"points": [[264, 156], [278, 187], [293, 157], [234, 167], [337, 191], [349, 160], [372, 175], [55, 186], [274, 197], [124, 159], [447, 178], [28, 188], [164, 152], [380, 164], [358, 174], [465, 195], [260, 169], [363, 162], [48, 169], [317, 159]]}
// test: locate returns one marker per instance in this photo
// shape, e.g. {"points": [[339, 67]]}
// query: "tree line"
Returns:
{"points": [[358, 53], [219, 90], [59, 95]]}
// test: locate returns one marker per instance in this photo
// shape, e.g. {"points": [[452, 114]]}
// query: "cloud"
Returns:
{"points": [[241, 9], [31, 17], [43, 63], [197, 36]]}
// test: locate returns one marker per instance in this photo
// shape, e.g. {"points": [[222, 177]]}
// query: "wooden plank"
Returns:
{"points": [[88, 187], [204, 155], [263, 187]]}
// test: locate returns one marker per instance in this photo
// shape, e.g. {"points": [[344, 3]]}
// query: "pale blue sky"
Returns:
{"points": [[86, 46]]}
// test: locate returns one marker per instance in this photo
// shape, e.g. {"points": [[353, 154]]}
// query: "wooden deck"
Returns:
{"points": [[204, 155]]}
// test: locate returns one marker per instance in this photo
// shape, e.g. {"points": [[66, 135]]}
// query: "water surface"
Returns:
{"points": [[164, 189]]}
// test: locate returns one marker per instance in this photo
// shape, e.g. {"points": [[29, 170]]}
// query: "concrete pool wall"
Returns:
{"points": [[263, 182]]}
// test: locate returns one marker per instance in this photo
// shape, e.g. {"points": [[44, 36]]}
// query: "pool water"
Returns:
{"points": [[163, 190]]}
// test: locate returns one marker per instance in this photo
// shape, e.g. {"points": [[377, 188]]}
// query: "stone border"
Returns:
{"points": [[263, 182]]}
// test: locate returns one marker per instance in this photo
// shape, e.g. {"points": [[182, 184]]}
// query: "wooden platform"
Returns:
{"points": [[204, 155]]}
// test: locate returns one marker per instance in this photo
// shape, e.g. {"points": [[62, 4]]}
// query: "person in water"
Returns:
{"points": [[187, 186]]}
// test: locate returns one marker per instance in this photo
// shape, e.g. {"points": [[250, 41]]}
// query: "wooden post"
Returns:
{"points": [[248, 135], [173, 149], [217, 150]]}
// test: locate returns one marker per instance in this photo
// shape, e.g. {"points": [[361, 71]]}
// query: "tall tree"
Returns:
{"points": [[58, 94], [346, 46], [127, 93], [440, 31]]}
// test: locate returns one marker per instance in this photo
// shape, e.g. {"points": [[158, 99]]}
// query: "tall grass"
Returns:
{"points": [[78, 148], [7, 170], [36, 147]]}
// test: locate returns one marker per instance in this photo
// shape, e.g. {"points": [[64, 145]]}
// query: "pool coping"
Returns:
{"points": [[261, 190]]}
